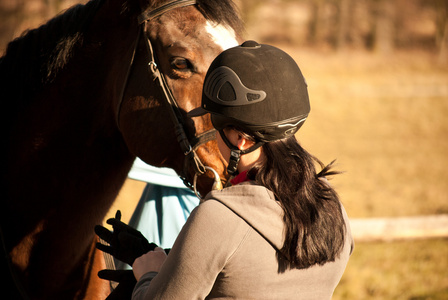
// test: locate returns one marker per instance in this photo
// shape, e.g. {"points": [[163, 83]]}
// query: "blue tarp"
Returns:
{"points": [[164, 206]]}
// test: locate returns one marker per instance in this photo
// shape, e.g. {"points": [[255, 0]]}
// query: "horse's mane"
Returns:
{"points": [[35, 57]]}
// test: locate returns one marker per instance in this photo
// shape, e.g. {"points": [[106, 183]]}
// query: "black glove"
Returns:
{"points": [[126, 283], [126, 243]]}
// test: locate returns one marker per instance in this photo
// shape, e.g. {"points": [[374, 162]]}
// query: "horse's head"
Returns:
{"points": [[180, 44]]}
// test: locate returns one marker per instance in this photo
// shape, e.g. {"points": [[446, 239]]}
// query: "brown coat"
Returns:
{"points": [[227, 249]]}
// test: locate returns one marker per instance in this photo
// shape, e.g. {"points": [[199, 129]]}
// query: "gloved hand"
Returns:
{"points": [[126, 243], [126, 283]]}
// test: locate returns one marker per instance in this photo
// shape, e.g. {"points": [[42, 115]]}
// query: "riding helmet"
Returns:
{"points": [[258, 89]]}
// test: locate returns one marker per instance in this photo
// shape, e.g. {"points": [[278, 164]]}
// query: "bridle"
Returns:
{"points": [[187, 146]]}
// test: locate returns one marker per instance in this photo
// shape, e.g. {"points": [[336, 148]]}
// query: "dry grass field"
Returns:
{"points": [[405, 270], [385, 122]]}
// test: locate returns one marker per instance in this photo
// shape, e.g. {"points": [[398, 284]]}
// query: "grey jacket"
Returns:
{"points": [[227, 249]]}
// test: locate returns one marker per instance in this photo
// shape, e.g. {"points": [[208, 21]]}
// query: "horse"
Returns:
{"points": [[83, 95]]}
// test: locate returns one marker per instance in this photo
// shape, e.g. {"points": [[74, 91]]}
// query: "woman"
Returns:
{"points": [[279, 231]]}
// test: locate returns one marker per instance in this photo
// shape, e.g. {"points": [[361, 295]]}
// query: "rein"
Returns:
{"points": [[188, 147]]}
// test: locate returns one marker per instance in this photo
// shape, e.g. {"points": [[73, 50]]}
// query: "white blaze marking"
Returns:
{"points": [[223, 36]]}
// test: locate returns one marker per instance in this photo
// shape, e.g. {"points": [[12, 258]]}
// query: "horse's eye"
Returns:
{"points": [[180, 64]]}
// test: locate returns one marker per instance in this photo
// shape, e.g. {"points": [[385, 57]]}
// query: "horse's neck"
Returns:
{"points": [[64, 143]]}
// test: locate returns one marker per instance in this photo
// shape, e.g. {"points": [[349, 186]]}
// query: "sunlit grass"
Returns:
{"points": [[410, 270]]}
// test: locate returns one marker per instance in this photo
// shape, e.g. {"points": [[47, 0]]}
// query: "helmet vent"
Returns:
{"points": [[227, 93], [252, 97], [223, 86]]}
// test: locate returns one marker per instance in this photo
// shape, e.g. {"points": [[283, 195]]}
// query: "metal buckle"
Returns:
{"points": [[217, 184]]}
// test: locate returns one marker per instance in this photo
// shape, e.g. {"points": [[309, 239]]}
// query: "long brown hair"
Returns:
{"points": [[315, 227]]}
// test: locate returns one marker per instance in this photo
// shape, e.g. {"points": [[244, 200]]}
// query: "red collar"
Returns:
{"points": [[242, 177]]}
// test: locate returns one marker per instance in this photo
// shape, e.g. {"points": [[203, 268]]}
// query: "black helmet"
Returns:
{"points": [[258, 89]]}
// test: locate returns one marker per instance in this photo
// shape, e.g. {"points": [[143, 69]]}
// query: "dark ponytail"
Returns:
{"points": [[315, 227]]}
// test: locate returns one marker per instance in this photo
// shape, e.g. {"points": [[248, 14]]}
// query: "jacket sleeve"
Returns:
{"points": [[142, 285], [210, 236]]}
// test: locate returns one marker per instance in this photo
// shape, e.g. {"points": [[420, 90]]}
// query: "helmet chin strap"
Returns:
{"points": [[236, 153]]}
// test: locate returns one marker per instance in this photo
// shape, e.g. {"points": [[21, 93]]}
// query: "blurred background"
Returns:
{"points": [[377, 72]]}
